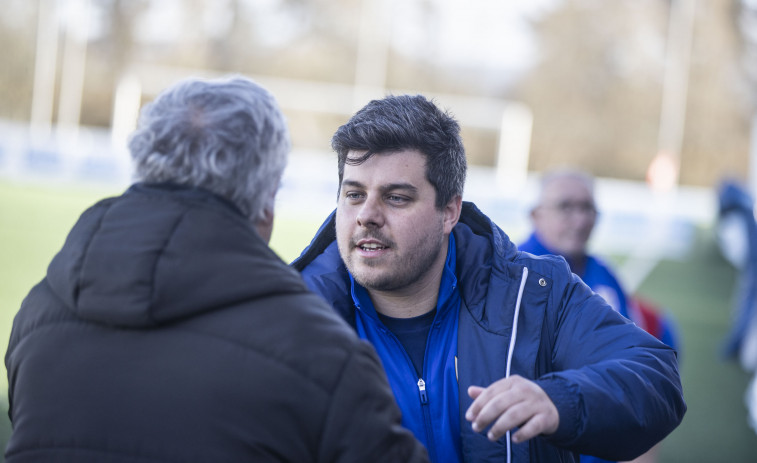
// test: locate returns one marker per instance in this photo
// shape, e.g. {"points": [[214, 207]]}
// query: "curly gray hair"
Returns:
{"points": [[225, 135]]}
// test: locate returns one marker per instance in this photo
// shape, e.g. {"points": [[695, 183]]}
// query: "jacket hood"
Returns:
{"points": [[159, 253]]}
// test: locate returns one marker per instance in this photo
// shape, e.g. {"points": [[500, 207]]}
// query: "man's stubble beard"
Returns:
{"points": [[405, 270]]}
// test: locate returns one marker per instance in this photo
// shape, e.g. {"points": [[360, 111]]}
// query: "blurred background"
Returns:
{"points": [[657, 98]]}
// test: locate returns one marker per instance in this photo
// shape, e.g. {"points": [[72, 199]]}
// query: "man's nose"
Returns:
{"points": [[370, 214]]}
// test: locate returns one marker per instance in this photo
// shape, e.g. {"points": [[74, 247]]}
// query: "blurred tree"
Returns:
{"points": [[18, 44], [596, 90], [319, 41], [236, 30], [745, 18], [716, 142], [111, 52]]}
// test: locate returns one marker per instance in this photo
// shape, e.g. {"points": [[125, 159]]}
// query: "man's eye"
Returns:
{"points": [[396, 198], [564, 207], [352, 195]]}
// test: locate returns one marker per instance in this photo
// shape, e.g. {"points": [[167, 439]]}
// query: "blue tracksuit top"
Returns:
{"points": [[616, 388], [429, 404]]}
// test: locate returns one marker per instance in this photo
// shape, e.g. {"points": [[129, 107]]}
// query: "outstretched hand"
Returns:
{"points": [[512, 402]]}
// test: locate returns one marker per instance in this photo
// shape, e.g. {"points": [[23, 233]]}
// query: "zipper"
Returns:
{"points": [[422, 390], [427, 419], [421, 384], [422, 394]]}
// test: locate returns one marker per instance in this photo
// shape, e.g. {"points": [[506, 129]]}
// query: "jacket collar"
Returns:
{"points": [[184, 191]]}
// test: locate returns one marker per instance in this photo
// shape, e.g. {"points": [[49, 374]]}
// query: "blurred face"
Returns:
{"points": [[391, 236], [565, 217]]}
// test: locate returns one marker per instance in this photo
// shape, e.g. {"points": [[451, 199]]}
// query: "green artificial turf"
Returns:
{"points": [[699, 292]]}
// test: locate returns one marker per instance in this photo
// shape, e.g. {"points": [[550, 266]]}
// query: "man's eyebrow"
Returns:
{"points": [[384, 188], [399, 186], [352, 183]]}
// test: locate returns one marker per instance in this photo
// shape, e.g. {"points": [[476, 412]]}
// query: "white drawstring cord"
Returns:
{"points": [[510, 349]]}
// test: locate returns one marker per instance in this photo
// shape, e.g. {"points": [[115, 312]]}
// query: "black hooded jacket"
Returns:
{"points": [[166, 330]]}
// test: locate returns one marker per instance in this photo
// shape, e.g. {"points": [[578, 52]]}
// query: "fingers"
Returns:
{"points": [[489, 404], [516, 415], [475, 391], [509, 403], [482, 396], [535, 426]]}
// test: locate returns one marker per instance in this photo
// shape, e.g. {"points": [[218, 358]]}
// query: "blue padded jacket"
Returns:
{"points": [[617, 389]]}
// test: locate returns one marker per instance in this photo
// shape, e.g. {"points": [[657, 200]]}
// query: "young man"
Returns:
{"points": [[478, 340], [167, 330], [563, 220]]}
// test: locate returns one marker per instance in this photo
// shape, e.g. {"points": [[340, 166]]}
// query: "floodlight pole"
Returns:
{"points": [[664, 171], [45, 64], [73, 65], [674, 95], [372, 51]]}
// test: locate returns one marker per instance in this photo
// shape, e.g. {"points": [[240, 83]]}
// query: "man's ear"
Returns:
{"points": [[533, 213], [264, 225], [452, 213]]}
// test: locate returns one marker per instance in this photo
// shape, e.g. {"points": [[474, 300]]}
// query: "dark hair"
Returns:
{"points": [[401, 122], [226, 135]]}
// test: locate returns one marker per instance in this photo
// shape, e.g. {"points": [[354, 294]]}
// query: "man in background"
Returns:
{"points": [[563, 219], [494, 355], [167, 330]]}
